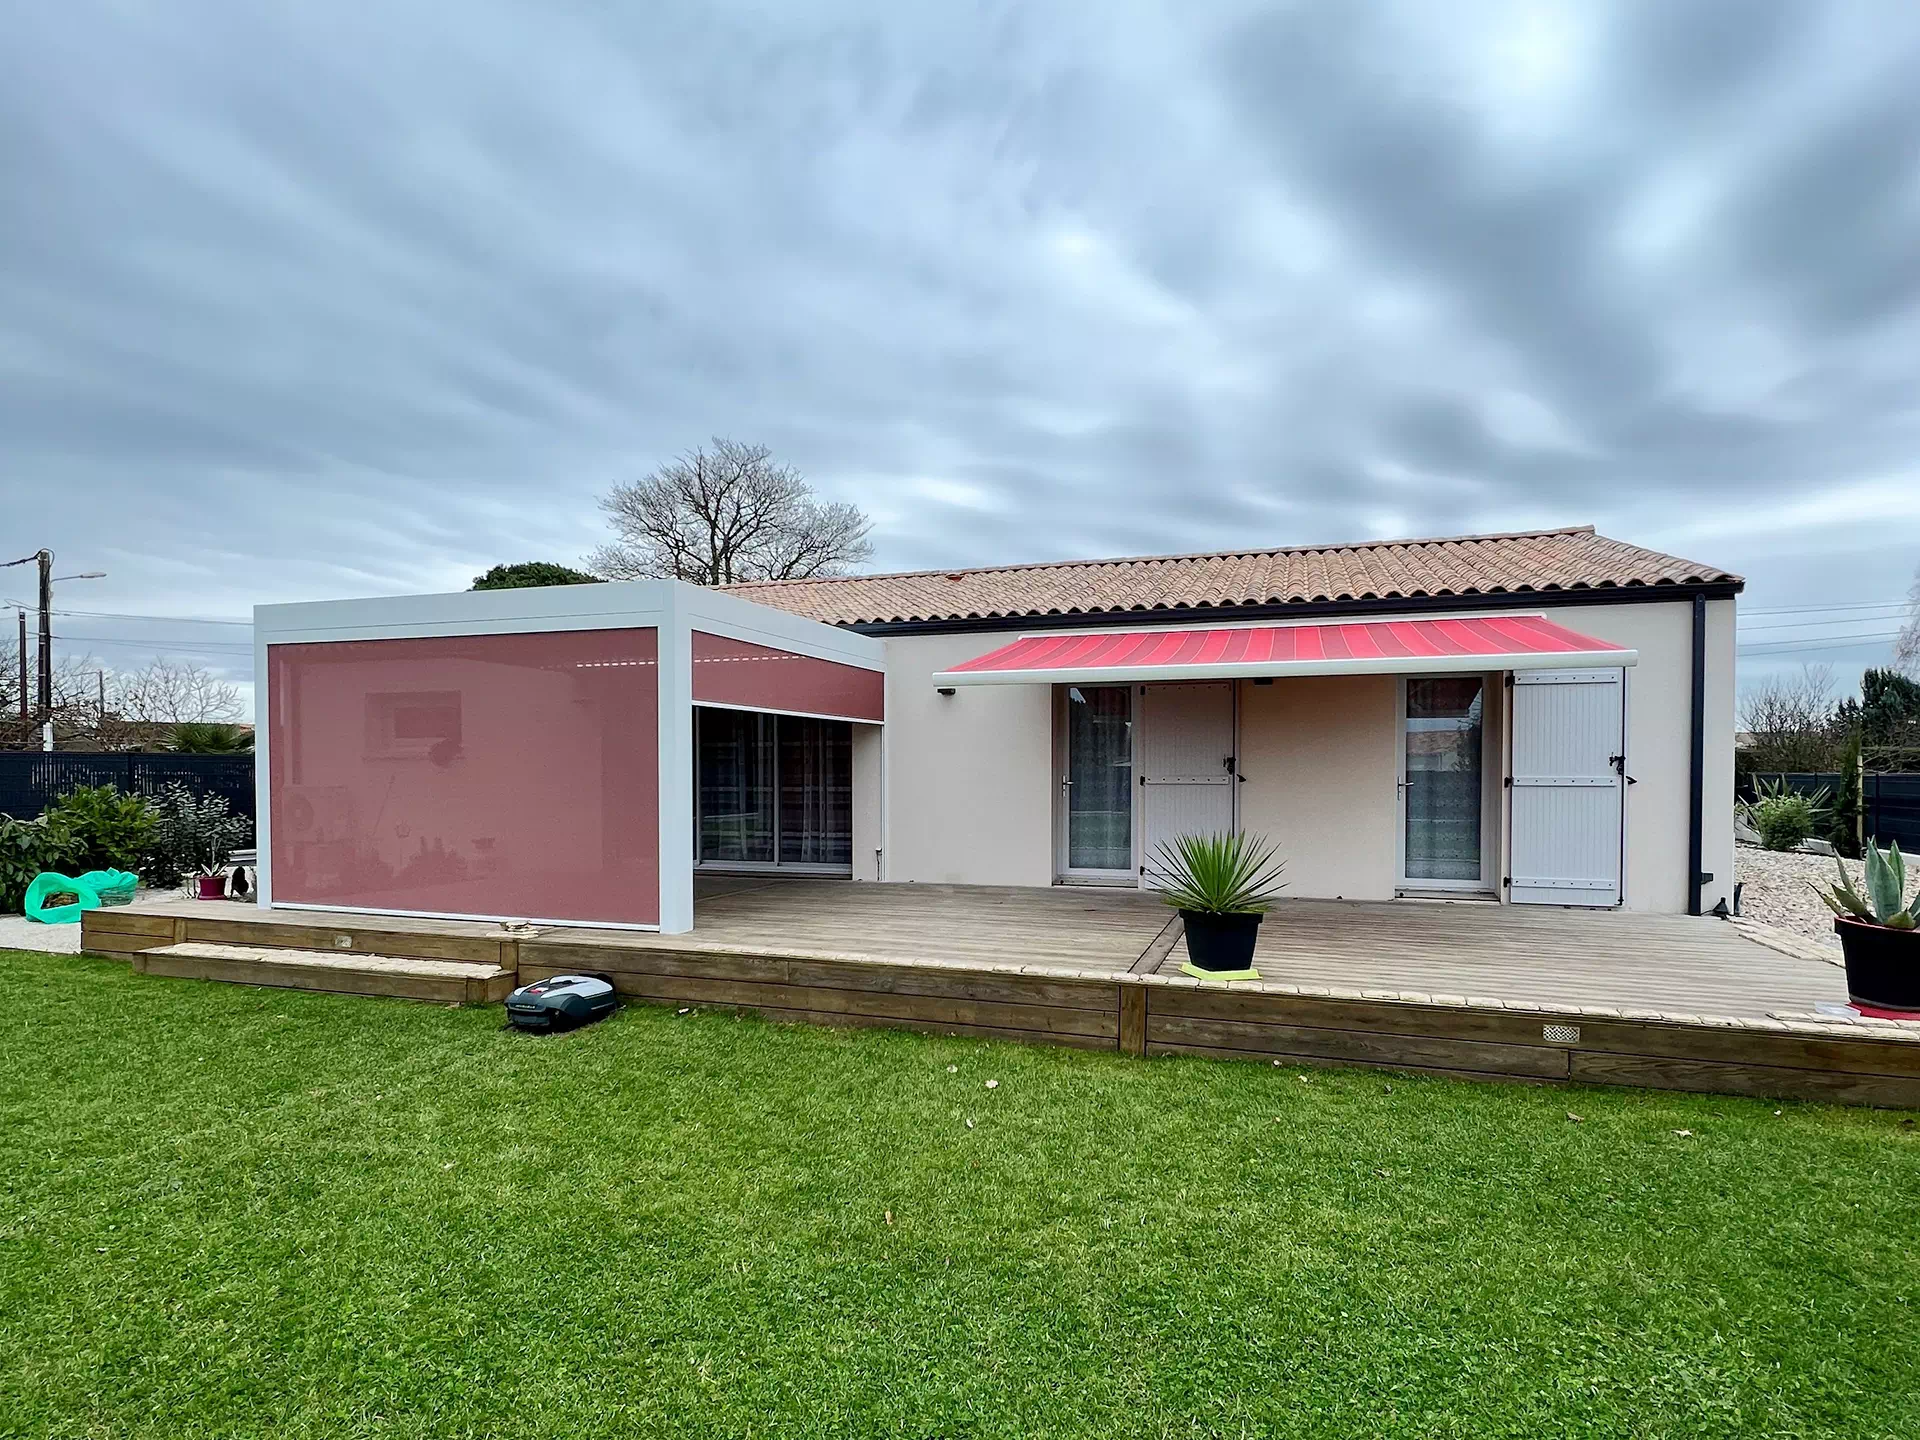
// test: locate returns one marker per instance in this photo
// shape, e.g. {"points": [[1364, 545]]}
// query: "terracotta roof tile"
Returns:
{"points": [[1526, 563]]}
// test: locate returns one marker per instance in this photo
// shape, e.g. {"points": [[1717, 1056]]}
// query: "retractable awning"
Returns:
{"points": [[1377, 647]]}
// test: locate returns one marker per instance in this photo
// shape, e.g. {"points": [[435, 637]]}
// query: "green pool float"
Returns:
{"points": [[114, 887], [90, 892], [48, 884]]}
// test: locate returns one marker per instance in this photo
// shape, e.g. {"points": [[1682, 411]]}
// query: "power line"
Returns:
{"points": [[1833, 605], [1814, 624], [1789, 647], [212, 647], [124, 615], [1861, 635]]}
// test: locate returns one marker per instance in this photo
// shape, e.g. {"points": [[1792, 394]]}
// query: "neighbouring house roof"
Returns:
{"points": [[1529, 564]]}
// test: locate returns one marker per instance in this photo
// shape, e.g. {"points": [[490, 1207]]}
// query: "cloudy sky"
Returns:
{"points": [[311, 300]]}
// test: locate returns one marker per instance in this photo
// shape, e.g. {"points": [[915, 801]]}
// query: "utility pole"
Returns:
{"points": [[23, 679], [100, 729], [45, 557]]}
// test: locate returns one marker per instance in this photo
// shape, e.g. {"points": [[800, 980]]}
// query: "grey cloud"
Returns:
{"points": [[301, 300]]}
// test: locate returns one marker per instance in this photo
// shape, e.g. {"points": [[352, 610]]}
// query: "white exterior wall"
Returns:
{"points": [[971, 778], [1319, 755], [1659, 746], [869, 786]]}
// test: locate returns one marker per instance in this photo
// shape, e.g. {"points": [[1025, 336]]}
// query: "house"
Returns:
{"points": [[1536, 718]]}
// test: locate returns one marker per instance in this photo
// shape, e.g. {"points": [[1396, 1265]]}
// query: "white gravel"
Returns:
{"points": [[1779, 890], [19, 933]]}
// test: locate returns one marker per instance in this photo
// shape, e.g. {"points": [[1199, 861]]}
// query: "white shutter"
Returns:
{"points": [[1568, 790], [1185, 749]]}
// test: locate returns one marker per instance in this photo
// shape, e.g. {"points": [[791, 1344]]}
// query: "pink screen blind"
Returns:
{"points": [[509, 775], [758, 677]]}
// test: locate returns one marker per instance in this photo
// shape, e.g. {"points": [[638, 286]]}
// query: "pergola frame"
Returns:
{"points": [[673, 609]]}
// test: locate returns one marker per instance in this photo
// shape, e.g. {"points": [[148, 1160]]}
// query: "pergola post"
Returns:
{"points": [[676, 767]]}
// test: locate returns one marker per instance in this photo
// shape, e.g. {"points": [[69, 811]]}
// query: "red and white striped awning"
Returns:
{"points": [[1376, 647]]}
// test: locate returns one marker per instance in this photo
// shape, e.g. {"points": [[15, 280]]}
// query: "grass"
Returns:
{"points": [[227, 1211]]}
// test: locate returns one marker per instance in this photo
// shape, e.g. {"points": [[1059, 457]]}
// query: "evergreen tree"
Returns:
{"points": [[530, 573]]}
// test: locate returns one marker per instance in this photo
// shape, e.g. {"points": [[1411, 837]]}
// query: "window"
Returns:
{"points": [[774, 789], [1099, 779], [413, 725], [816, 791], [1442, 787]]}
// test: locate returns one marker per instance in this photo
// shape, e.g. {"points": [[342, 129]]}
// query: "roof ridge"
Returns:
{"points": [[947, 571]]}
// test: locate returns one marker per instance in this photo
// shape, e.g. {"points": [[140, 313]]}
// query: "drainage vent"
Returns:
{"points": [[1560, 1034]]}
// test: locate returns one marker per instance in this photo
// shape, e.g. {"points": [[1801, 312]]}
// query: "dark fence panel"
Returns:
{"points": [[30, 780], [1891, 802], [1893, 809], [1745, 788]]}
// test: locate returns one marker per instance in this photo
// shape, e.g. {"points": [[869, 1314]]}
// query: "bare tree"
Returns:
{"points": [[1906, 648], [174, 692], [97, 707], [1791, 722], [728, 514]]}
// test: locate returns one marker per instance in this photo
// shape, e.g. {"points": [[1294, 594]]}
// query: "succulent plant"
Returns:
{"points": [[1885, 877], [1235, 874]]}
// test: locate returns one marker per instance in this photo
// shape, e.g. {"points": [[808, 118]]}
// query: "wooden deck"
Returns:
{"points": [[1063, 929], [1470, 989], [1677, 964]]}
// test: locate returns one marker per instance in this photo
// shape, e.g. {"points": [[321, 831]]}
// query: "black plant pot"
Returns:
{"points": [[1883, 966], [1220, 942]]}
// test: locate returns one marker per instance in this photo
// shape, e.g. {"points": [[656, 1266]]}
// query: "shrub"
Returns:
{"points": [[208, 737], [28, 847], [1843, 828], [114, 831], [1785, 817], [193, 834]]}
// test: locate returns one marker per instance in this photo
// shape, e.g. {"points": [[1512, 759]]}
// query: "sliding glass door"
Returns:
{"points": [[736, 787], [1098, 783], [1442, 793], [774, 790], [815, 762]]}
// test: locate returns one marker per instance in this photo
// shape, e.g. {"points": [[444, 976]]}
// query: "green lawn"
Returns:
{"points": [[243, 1212]]}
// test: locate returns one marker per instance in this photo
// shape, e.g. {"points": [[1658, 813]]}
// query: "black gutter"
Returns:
{"points": [[1300, 609], [1697, 779]]}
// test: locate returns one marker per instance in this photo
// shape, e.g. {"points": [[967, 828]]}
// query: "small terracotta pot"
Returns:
{"points": [[213, 887]]}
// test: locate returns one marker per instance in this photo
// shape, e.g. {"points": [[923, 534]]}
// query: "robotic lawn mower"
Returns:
{"points": [[560, 1002]]}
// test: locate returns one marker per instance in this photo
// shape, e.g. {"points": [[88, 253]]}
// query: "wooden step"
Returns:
{"points": [[151, 924], [450, 982]]}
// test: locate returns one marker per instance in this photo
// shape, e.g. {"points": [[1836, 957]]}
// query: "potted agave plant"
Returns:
{"points": [[1222, 885], [1877, 932]]}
